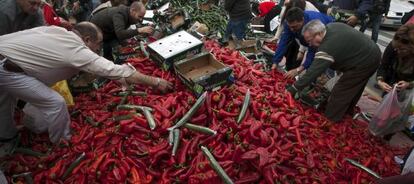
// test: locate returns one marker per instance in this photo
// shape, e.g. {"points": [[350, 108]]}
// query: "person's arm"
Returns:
{"points": [[363, 7], [322, 62], [282, 47], [309, 57], [386, 63], [86, 60], [121, 28]]}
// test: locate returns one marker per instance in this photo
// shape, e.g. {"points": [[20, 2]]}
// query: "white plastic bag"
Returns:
{"points": [[331, 82], [392, 113]]}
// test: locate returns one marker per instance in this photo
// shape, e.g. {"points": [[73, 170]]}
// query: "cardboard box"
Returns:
{"points": [[178, 46], [247, 46], [203, 73]]}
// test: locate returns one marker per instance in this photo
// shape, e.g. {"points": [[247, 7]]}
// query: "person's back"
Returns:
{"points": [[353, 49], [41, 45], [238, 9], [104, 20]]}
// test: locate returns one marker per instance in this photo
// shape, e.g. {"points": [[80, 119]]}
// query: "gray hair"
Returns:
{"points": [[314, 27]]}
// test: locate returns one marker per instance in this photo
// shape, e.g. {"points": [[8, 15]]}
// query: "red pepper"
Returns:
{"points": [[164, 112], [157, 148], [182, 155], [92, 169], [290, 100], [284, 123], [224, 114], [116, 173], [299, 137], [222, 101], [296, 121], [54, 171], [199, 119]]}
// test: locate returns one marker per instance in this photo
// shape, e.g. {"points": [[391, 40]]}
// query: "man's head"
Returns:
{"points": [[295, 19], [403, 40], [314, 32], [90, 34], [29, 6], [137, 11]]}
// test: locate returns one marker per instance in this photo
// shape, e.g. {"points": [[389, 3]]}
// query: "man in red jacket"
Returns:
{"points": [[52, 19]]}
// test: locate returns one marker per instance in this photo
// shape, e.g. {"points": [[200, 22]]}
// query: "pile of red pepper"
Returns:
{"points": [[278, 140]]}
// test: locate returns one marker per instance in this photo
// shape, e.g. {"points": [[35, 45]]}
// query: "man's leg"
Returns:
{"points": [[7, 104], [50, 104], [240, 29], [107, 50], [347, 92], [229, 31], [292, 55], [376, 23]]}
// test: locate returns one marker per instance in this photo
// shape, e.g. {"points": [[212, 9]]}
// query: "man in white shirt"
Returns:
{"points": [[34, 59]]}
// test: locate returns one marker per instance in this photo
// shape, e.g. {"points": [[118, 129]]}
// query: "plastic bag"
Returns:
{"points": [[408, 166], [392, 113], [331, 82], [62, 88]]}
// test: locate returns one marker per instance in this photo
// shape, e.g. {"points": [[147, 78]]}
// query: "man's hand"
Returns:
{"points": [[146, 30], [291, 89], [384, 86], [76, 6], [352, 20], [402, 85], [291, 73], [274, 66], [163, 85]]}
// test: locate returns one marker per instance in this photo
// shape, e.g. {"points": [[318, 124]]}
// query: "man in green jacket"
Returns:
{"points": [[346, 50], [115, 22]]}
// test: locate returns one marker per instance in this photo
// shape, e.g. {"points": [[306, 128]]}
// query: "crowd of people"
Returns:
{"points": [[46, 41]]}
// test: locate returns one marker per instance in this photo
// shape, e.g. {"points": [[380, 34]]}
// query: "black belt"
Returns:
{"points": [[10, 66]]}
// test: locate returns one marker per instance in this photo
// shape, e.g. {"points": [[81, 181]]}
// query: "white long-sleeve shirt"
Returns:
{"points": [[52, 54]]}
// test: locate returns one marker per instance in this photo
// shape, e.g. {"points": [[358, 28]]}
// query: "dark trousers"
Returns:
{"points": [[236, 27], [346, 93], [375, 20], [107, 49], [292, 55]]}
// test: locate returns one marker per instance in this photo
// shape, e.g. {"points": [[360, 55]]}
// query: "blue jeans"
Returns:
{"points": [[375, 20], [238, 28]]}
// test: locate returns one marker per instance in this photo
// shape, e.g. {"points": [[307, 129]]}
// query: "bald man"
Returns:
{"points": [[34, 59], [115, 22]]}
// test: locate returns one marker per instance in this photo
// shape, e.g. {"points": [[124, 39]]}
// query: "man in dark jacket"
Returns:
{"points": [[18, 15], [115, 22], [355, 9], [344, 49], [379, 8], [240, 14]]}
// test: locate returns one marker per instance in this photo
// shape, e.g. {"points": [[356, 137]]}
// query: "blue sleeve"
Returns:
{"points": [[309, 57], [363, 7], [282, 47]]}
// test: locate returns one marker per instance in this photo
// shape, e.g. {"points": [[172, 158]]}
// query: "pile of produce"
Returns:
{"points": [[205, 12], [250, 132]]}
